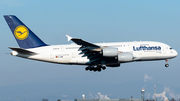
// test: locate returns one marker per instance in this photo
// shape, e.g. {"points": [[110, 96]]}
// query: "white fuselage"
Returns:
{"points": [[70, 54]]}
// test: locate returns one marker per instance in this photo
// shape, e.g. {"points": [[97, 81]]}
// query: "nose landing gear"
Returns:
{"points": [[167, 65]]}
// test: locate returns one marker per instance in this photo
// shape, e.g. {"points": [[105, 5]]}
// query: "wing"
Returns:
{"points": [[90, 50], [83, 43]]}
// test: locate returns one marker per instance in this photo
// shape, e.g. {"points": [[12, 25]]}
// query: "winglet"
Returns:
{"points": [[69, 38]]}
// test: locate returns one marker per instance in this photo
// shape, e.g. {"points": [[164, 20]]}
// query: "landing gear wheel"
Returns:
{"points": [[103, 67], [166, 65], [87, 68], [99, 69], [95, 69]]}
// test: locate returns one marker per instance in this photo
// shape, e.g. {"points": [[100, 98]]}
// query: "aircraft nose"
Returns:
{"points": [[175, 53]]}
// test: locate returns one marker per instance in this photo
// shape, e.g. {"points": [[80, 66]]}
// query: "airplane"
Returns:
{"points": [[96, 56]]}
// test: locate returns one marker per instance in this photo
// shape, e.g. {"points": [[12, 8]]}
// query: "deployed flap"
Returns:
{"points": [[22, 51], [82, 42]]}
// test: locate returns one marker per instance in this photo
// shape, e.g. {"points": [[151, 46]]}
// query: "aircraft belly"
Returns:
{"points": [[155, 57], [151, 55]]}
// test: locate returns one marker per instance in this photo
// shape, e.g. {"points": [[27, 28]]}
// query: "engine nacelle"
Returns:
{"points": [[110, 52], [125, 57]]}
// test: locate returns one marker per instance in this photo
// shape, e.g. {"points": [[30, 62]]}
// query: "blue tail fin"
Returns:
{"points": [[23, 35]]}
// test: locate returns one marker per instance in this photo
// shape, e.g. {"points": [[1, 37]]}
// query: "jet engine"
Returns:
{"points": [[113, 52], [110, 52], [125, 57]]}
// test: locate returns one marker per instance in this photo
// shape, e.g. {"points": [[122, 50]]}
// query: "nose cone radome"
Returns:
{"points": [[175, 53]]}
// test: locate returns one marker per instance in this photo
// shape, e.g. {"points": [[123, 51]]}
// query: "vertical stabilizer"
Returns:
{"points": [[23, 35]]}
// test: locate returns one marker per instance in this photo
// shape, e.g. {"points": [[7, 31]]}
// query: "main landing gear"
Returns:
{"points": [[97, 68], [167, 65]]}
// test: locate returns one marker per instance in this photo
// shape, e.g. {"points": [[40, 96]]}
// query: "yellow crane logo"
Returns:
{"points": [[21, 32]]}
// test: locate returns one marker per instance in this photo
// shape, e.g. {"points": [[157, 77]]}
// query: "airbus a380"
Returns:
{"points": [[95, 56]]}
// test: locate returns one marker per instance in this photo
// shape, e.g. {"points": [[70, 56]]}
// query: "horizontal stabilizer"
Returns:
{"points": [[22, 51]]}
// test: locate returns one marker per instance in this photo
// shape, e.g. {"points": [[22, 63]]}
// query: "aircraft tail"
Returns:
{"points": [[23, 35]]}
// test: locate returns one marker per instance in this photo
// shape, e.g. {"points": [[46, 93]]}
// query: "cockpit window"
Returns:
{"points": [[170, 48]]}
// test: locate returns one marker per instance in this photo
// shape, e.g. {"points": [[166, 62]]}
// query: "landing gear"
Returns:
{"points": [[103, 67], [97, 68], [167, 65], [86, 68]]}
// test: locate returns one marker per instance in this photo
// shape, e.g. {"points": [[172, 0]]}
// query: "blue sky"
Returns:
{"points": [[94, 21]]}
